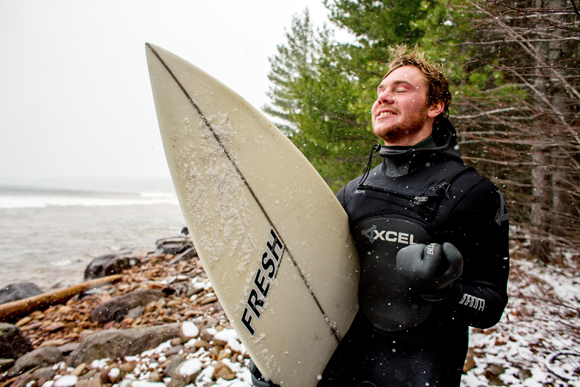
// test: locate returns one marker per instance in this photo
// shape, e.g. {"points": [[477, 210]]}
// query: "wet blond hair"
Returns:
{"points": [[438, 86]]}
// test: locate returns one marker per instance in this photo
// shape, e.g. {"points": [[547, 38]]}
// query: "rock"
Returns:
{"points": [[53, 343], [172, 364], [115, 375], [222, 371], [185, 256], [117, 308], [224, 354], [18, 291], [188, 331], [154, 377], [95, 269], [206, 335], [469, 362], [79, 370], [13, 343], [95, 382], [90, 374], [42, 357], [109, 264], [173, 246], [40, 375], [194, 288], [67, 348], [524, 374], [496, 369], [120, 343], [23, 321], [174, 350], [201, 344], [5, 364], [66, 381], [186, 373], [127, 367]]}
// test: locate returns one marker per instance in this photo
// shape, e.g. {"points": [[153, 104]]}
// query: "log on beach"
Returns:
{"points": [[15, 309]]}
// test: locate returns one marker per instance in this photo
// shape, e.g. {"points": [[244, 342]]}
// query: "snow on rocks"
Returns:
{"points": [[188, 331], [66, 381], [185, 301], [541, 322]]}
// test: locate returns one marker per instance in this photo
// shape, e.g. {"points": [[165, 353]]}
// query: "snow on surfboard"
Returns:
{"points": [[272, 237]]}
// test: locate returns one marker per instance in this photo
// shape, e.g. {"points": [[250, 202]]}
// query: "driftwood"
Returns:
{"points": [[12, 310]]}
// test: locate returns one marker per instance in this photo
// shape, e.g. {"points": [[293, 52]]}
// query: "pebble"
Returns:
{"points": [[222, 371], [79, 370], [66, 381]]}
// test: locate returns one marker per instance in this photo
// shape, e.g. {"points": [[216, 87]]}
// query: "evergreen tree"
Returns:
{"points": [[514, 78]]}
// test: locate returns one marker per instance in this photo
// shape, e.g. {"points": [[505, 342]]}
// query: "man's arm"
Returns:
{"points": [[479, 228]]}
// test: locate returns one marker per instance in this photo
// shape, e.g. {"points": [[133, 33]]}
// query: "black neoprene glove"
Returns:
{"points": [[430, 269], [257, 379]]}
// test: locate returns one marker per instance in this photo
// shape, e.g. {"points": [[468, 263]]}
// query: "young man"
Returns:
{"points": [[432, 238]]}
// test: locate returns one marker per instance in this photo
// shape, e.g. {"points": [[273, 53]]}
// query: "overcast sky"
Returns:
{"points": [[75, 98]]}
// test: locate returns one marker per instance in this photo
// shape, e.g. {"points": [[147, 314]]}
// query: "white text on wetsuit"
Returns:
{"points": [[390, 236], [268, 270]]}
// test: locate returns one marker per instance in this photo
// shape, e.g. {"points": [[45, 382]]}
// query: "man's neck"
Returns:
{"points": [[413, 139]]}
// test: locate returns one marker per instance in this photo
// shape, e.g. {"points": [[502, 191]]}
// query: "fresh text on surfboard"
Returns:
{"points": [[267, 271]]}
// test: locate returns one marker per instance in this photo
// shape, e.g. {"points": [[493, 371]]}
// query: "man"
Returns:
{"points": [[432, 238]]}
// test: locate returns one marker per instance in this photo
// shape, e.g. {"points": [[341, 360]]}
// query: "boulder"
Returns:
{"points": [[109, 264], [39, 375], [175, 245], [119, 307], [13, 343], [41, 357], [187, 255], [114, 343], [18, 291]]}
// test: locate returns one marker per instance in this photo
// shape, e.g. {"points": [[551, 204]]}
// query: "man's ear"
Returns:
{"points": [[435, 109]]}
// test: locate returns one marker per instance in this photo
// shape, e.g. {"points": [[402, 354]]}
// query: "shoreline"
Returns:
{"points": [[183, 298], [535, 327]]}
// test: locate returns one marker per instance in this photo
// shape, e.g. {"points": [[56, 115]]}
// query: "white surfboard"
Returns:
{"points": [[274, 240]]}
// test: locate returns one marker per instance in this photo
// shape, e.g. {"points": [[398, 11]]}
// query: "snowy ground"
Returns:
{"points": [[541, 321]]}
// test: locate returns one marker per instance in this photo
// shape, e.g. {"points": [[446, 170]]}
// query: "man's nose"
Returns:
{"points": [[385, 97]]}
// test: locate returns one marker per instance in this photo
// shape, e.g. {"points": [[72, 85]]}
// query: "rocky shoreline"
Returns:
{"points": [[160, 324]]}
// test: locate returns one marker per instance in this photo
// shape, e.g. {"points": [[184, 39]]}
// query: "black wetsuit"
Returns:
{"points": [[421, 194]]}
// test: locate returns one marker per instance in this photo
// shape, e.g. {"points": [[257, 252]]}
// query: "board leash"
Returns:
{"points": [[239, 172]]}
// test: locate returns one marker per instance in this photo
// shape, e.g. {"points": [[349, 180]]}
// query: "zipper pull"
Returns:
{"points": [[444, 187], [418, 200]]}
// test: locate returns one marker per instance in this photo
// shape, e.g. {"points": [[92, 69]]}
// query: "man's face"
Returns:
{"points": [[401, 115]]}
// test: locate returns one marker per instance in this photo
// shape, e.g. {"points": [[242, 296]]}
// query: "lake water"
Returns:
{"points": [[49, 236]]}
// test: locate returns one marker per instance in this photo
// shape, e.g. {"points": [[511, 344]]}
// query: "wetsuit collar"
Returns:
{"points": [[400, 160]]}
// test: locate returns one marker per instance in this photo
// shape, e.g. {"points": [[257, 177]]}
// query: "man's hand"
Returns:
{"points": [[430, 268]]}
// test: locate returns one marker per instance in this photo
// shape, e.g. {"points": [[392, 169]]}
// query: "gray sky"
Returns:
{"points": [[75, 98]]}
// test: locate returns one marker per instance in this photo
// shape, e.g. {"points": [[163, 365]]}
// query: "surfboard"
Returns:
{"points": [[272, 237]]}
